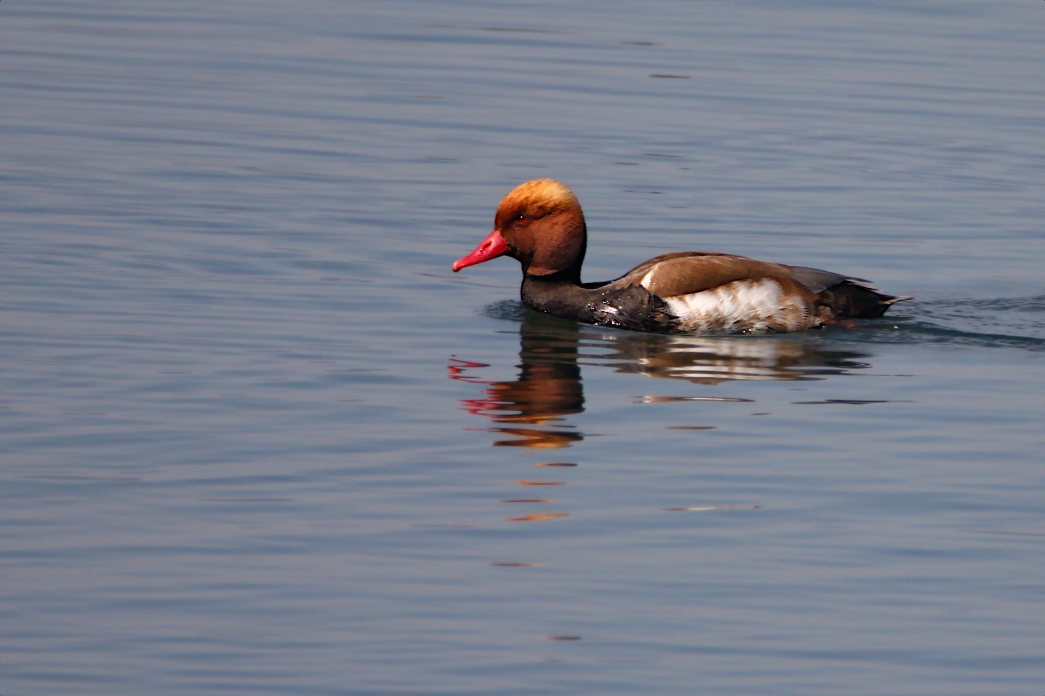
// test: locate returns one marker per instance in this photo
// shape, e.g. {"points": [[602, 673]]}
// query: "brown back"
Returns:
{"points": [[687, 272]]}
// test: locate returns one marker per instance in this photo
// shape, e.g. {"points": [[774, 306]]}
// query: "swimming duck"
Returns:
{"points": [[541, 225]]}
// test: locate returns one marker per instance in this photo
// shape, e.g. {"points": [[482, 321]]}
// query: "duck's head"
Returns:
{"points": [[540, 224]]}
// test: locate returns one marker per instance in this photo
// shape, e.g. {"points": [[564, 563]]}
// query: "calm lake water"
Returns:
{"points": [[257, 437]]}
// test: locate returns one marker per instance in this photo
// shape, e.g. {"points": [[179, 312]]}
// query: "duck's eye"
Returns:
{"points": [[521, 217]]}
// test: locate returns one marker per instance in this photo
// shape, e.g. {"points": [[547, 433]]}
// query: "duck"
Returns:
{"points": [[541, 225]]}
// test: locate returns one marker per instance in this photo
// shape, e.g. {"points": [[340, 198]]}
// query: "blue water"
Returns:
{"points": [[257, 437]]}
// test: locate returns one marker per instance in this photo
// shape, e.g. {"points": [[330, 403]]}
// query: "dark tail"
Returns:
{"points": [[852, 300]]}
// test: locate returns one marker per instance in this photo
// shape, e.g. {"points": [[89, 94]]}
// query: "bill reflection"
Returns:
{"points": [[532, 409]]}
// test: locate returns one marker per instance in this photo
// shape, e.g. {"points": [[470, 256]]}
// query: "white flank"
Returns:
{"points": [[743, 306]]}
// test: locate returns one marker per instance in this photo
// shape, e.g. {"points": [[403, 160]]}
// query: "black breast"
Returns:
{"points": [[632, 308]]}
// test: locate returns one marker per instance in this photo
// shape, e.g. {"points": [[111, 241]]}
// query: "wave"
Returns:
{"points": [[1010, 322]]}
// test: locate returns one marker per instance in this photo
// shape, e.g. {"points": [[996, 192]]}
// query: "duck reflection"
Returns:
{"points": [[548, 388], [716, 359], [532, 410]]}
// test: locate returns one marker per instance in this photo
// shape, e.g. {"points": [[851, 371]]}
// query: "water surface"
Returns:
{"points": [[259, 439]]}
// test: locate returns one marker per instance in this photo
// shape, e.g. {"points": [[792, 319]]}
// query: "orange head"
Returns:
{"points": [[540, 223]]}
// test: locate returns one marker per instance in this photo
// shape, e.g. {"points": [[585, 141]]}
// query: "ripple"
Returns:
{"points": [[1010, 322], [508, 310], [1003, 322], [538, 517]]}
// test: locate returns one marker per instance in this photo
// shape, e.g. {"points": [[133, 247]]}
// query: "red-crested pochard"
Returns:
{"points": [[541, 225]]}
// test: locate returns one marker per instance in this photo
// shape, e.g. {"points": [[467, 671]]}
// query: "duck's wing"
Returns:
{"points": [[688, 272], [818, 280], [673, 277]]}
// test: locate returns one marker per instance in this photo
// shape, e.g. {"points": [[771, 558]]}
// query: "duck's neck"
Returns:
{"points": [[560, 294], [603, 304]]}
